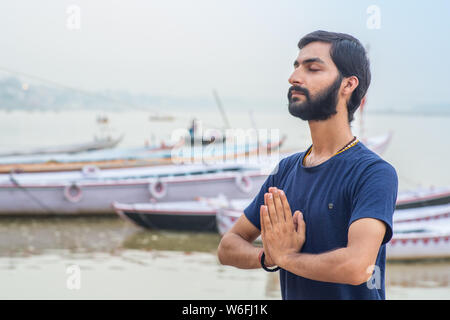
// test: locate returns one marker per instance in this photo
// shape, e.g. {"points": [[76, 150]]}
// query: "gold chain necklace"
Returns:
{"points": [[353, 142]]}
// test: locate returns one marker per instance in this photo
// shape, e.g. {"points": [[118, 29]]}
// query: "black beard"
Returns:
{"points": [[321, 107]]}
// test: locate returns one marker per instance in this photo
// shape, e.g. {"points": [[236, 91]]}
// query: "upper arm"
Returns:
{"points": [[374, 196], [245, 229], [365, 237]]}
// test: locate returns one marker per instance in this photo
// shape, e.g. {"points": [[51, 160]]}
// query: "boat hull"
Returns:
{"points": [[421, 239], [97, 196], [416, 248], [179, 222], [439, 200], [423, 198]]}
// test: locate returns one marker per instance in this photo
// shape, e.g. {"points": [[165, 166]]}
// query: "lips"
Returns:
{"points": [[295, 92]]}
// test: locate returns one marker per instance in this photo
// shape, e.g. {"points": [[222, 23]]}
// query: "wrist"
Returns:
{"points": [[285, 259], [260, 252], [264, 265]]}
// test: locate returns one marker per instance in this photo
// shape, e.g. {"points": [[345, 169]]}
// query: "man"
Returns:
{"points": [[342, 194]]}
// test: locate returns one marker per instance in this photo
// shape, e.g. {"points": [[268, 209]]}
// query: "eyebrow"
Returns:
{"points": [[310, 60]]}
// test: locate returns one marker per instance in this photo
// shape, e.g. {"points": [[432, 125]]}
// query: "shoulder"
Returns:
{"points": [[287, 162], [369, 167], [366, 159], [285, 165]]}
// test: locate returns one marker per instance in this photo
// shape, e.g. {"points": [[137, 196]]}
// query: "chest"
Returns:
{"points": [[326, 207]]}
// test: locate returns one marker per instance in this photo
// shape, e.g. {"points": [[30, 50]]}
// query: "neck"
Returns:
{"points": [[329, 136]]}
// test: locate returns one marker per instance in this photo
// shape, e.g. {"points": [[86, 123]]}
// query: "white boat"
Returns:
{"points": [[93, 191], [437, 212], [97, 144], [423, 197], [227, 217], [416, 236], [198, 215], [157, 151], [156, 155], [378, 144], [420, 240]]}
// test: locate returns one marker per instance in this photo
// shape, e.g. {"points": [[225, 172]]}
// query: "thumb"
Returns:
{"points": [[301, 226], [295, 219], [298, 219]]}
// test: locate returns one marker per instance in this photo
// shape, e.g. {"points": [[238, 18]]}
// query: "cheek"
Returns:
{"points": [[319, 83]]}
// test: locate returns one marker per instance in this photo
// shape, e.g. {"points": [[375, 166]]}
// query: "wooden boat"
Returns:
{"points": [[420, 240], [164, 154], [161, 117], [378, 144], [199, 215], [93, 191], [420, 233], [437, 212], [423, 197], [227, 217], [98, 144], [189, 216]]}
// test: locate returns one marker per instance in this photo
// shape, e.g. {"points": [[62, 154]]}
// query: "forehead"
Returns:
{"points": [[316, 49]]}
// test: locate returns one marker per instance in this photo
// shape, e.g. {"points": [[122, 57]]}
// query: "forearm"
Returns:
{"points": [[236, 251], [337, 266]]}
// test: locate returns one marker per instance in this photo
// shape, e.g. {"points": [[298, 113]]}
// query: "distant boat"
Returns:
{"points": [[98, 144], [160, 117]]}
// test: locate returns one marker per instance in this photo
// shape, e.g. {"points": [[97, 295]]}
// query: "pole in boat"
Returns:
{"points": [[222, 111]]}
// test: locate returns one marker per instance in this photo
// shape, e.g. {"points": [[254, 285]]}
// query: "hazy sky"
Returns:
{"points": [[244, 48]]}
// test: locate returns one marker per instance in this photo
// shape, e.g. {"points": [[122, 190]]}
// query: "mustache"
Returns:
{"points": [[298, 89]]}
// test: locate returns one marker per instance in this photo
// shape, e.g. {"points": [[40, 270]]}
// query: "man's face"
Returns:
{"points": [[315, 83]]}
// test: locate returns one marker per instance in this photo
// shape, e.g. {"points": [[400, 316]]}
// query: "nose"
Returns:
{"points": [[296, 79]]}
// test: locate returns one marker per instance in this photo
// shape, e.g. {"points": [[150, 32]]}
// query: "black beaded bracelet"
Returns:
{"points": [[264, 267]]}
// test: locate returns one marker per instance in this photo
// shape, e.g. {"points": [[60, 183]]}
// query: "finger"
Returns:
{"points": [[278, 205], [261, 220], [271, 208], [301, 225], [267, 223], [295, 221], [286, 207]]}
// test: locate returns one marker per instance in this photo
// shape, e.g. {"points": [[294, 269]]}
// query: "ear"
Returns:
{"points": [[349, 85]]}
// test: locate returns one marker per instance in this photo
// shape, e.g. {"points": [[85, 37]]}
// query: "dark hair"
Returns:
{"points": [[349, 56]]}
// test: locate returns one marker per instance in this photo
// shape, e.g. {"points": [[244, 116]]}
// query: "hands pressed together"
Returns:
{"points": [[282, 234]]}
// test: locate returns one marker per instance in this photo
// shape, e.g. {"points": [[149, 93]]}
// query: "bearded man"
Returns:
{"points": [[325, 214]]}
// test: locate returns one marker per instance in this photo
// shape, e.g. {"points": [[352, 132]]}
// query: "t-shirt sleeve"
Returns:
{"points": [[375, 196]]}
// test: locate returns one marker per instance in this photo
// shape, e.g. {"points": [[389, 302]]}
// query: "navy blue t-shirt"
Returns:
{"points": [[351, 185]]}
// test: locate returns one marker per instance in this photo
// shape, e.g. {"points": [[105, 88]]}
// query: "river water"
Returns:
{"points": [[116, 260], [113, 259]]}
